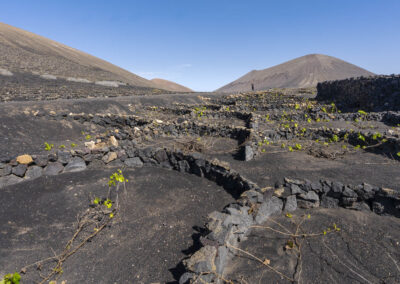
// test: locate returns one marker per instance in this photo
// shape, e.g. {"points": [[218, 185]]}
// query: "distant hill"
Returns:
{"points": [[305, 71], [23, 51], [170, 86]]}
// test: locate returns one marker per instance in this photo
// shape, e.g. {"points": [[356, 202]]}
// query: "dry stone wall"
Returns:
{"points": [[367, 93]]}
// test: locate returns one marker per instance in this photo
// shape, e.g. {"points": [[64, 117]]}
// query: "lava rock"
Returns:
{"points": [[41, 160], [6, 170], [52, 158], [110, 156], [240, 217], [216, 225], [183, 166], [290, 204], [307, 185], [76, 164], [378, 207], [221, 259], [63, 157], [295, 189], [360, 206], [310, 196], [161, 156], [146, 152], [116, 163], [88, 157], [248, 153], [253, 196], [270, 207], [336, 190], [9, 180], [365, 191], [122, 155], [34, 172], [329, 202], [305, 204], [19, 170], [96, 164], [317, 187], [348, 201], [348, 192], [53, 169], [131, 153], [202, 260], [133, 162], [186, 277]]}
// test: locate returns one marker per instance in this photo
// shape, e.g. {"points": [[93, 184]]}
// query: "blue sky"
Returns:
{"points": [[205, 44]]}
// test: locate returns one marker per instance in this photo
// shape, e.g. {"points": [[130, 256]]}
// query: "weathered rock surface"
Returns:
{"points": [[133, 162], [9, 180], [34, 172], [345, 256], [19, 170], [53, 169], [75, 165]]}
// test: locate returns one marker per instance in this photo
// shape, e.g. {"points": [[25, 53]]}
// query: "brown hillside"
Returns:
{"points": [[23, 51], [170, 86], [305, 71]]}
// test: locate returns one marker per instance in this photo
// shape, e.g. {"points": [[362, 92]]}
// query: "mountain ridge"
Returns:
{"points": [[304, 71], [23, 51], [169, 85]]}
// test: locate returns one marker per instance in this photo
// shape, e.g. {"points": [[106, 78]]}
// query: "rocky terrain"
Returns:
{"points": [[261, 187], [301, 72]]}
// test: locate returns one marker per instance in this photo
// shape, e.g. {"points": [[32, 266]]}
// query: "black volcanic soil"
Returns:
{"points": [[24, 86], [163, 214], [365, 251], [162, 209], [354, 168]]}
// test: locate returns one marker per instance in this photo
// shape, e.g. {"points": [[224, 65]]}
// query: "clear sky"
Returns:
{"points": [[204, 44]]}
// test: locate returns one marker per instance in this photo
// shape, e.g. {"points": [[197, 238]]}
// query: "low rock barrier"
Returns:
{"points": [[368, 93]]}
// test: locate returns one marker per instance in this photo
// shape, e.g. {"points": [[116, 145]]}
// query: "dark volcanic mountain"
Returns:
{"points": [[170, 86], [305, 71]]}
